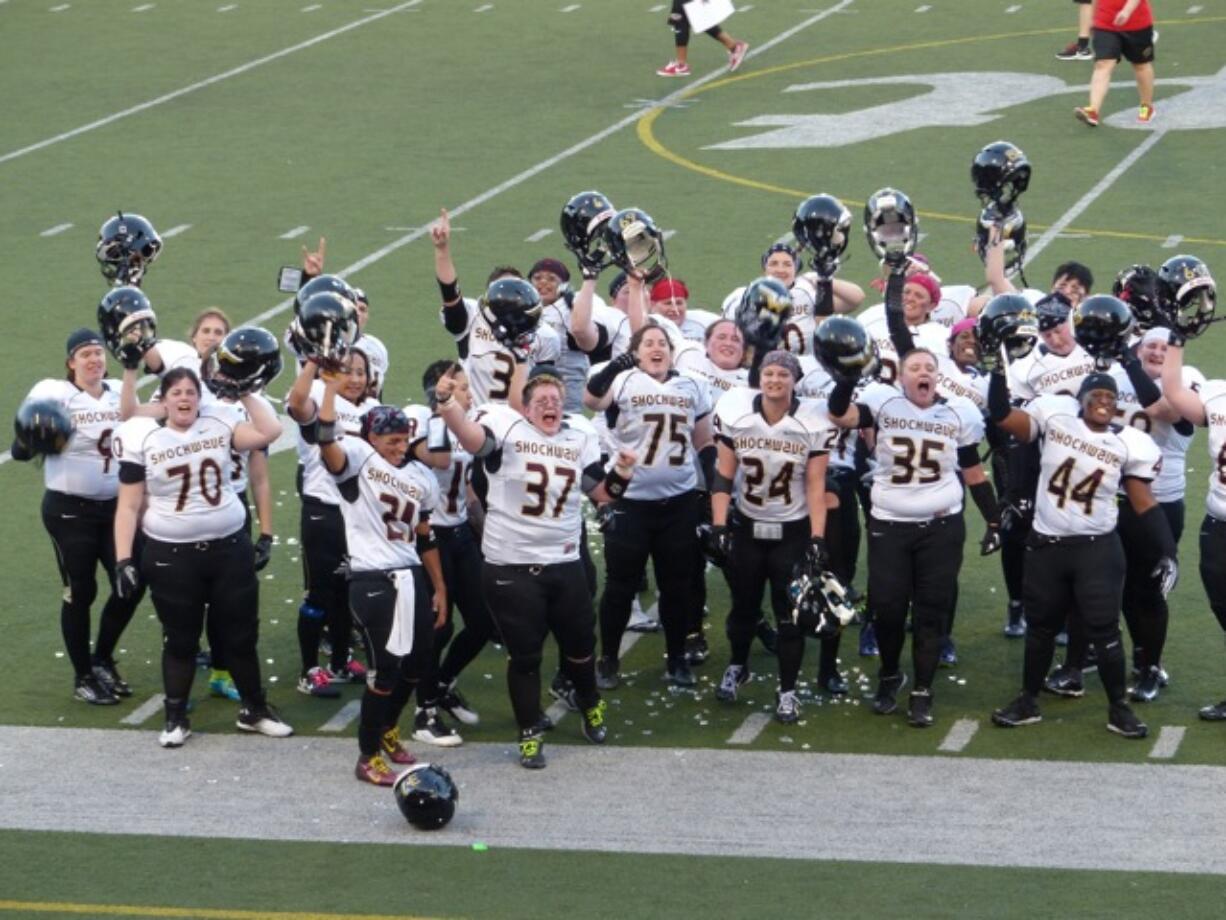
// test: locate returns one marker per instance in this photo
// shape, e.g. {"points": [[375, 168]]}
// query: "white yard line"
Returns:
{"points": [[959, 736], [343, 718], [216, 78], [1172, 241], [227, 7], [1169, 739], [1093, 194], [749, 730], [295, 233], [176, 230], [56, 230], [145, 710], [538, 236]]}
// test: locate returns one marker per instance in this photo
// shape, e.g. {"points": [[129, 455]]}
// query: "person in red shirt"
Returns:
{"points": [[1122, 28]]}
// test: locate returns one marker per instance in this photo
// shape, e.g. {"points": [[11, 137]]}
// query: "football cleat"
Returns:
{"points": [[263, 720], [885, 701], [393, 748], [1065, 681], [787, 707], [429, 728], [375, 770], [678, 674], [696, 648], [1214, 712], [562, 690], [640, 622], [176, 732], [919, 709], [835, 684], [315, 682], [608, 673], [1123, 721], [734, 676], [222, 685], [91, 690], [1146, 688], [110, 678], [594, 728], [1015, 624], [455, 705], [531, 749], [1024, 710]]}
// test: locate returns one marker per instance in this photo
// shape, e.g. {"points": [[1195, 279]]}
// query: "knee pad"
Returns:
{"points": [[310, 611], [525, 664]]}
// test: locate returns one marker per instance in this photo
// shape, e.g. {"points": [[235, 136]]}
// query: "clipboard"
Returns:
{"points": [[703, 14]]}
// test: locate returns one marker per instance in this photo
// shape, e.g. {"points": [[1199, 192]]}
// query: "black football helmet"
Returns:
{"points": [[763, 312], [127, 246], [1102, 325], [1187, 294], [822, 224], [325, 329], [127, 323], [1137, 286], [1001, 173], [1052, 311], [890, 224], [1012, 231], [583, 221], [844, 349], [426, 796], [1010, 321], [321, 284], [636, 245], [43, 427], [512, 307], [247, 360]]}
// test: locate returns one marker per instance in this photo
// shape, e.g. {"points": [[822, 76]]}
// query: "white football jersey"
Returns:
{"points": [[572, 363], [239, 459], [533, 514], [772, 459], [969, 384], [1042, 372], [618, 325], [317, 482], [452, 507], [377, 360], [656, 419], [86, 467], [488, 364], [695, 363], [1081, 469], [382, 506], [916, 476], [177, 354], [1213, 397], [694, 326], [817, 384], [1171, 482], [187, 475], [798, 335], [930, 335], [953, 303]]}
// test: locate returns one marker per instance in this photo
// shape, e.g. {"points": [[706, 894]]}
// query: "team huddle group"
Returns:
{"points": [[760, 439]]}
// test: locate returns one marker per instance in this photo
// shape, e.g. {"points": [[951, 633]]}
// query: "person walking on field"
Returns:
{"points": [[1121, 28], [679, 22]]}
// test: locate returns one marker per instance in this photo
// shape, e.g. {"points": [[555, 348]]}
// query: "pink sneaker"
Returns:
{"points": [[737, 55], [674, 69], [1087, 115]]}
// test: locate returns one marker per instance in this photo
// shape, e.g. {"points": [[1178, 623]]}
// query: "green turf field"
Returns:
{"points": [[265, 125]]}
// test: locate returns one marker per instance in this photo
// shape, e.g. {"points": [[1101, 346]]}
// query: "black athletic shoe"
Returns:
{"points": [[455, 705], [886, 699], [1146, 689], [263, 720], [93, 691], [834, 684], [531, 749], [594, 728], [919, 709], [608, 674], [562, 690], [767, 636], [109, 677], [1065, 681], [679, 674], [868, 641], [1214, 712], [1024, 710], [696, 649], [1123, 721], [1015, 623]]}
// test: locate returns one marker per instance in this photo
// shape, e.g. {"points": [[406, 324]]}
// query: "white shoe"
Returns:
{"points": [[174, 734], [429, 728], [264, 721], [640, 621]]}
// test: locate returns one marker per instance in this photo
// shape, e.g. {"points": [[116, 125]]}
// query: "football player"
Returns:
{"points": [[538, 464], [78, 509]]}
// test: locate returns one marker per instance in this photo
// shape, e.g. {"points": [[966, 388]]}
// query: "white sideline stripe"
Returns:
{"points": [[1172, 241], [748, 730], [1012, 9], [923, 9], [148, 708], [60, 8], [58, 228], [143, 7], [216, 78], [227, 7], [559, 710], [296, 232], [1092, 195], [569, 9], [485, 196], [1193, 10], [538, 236], [960, 735], [344, 716], [175, 231], [1169, 739]]}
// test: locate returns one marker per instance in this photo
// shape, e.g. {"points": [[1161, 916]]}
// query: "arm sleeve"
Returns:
{"points": [[895, 319]]}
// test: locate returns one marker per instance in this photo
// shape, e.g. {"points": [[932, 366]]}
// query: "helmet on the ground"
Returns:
{"points": [[426, 796]]}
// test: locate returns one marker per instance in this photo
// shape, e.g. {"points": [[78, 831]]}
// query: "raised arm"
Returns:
{"points": [[1182, 400], [262, 430]]}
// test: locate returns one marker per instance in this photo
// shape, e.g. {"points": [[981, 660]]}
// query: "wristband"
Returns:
{"points": [[325, 432], [450, 290], [615, 483]]}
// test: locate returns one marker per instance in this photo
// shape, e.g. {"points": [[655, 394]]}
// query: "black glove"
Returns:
{"points": [[716, 543], [1166, 573], [598, 384], [1013, 515], [991, 541], [129, 355], [817, 555], [605, 517], [896, 261], [590, 267], [127, 579], [263, 551]]}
